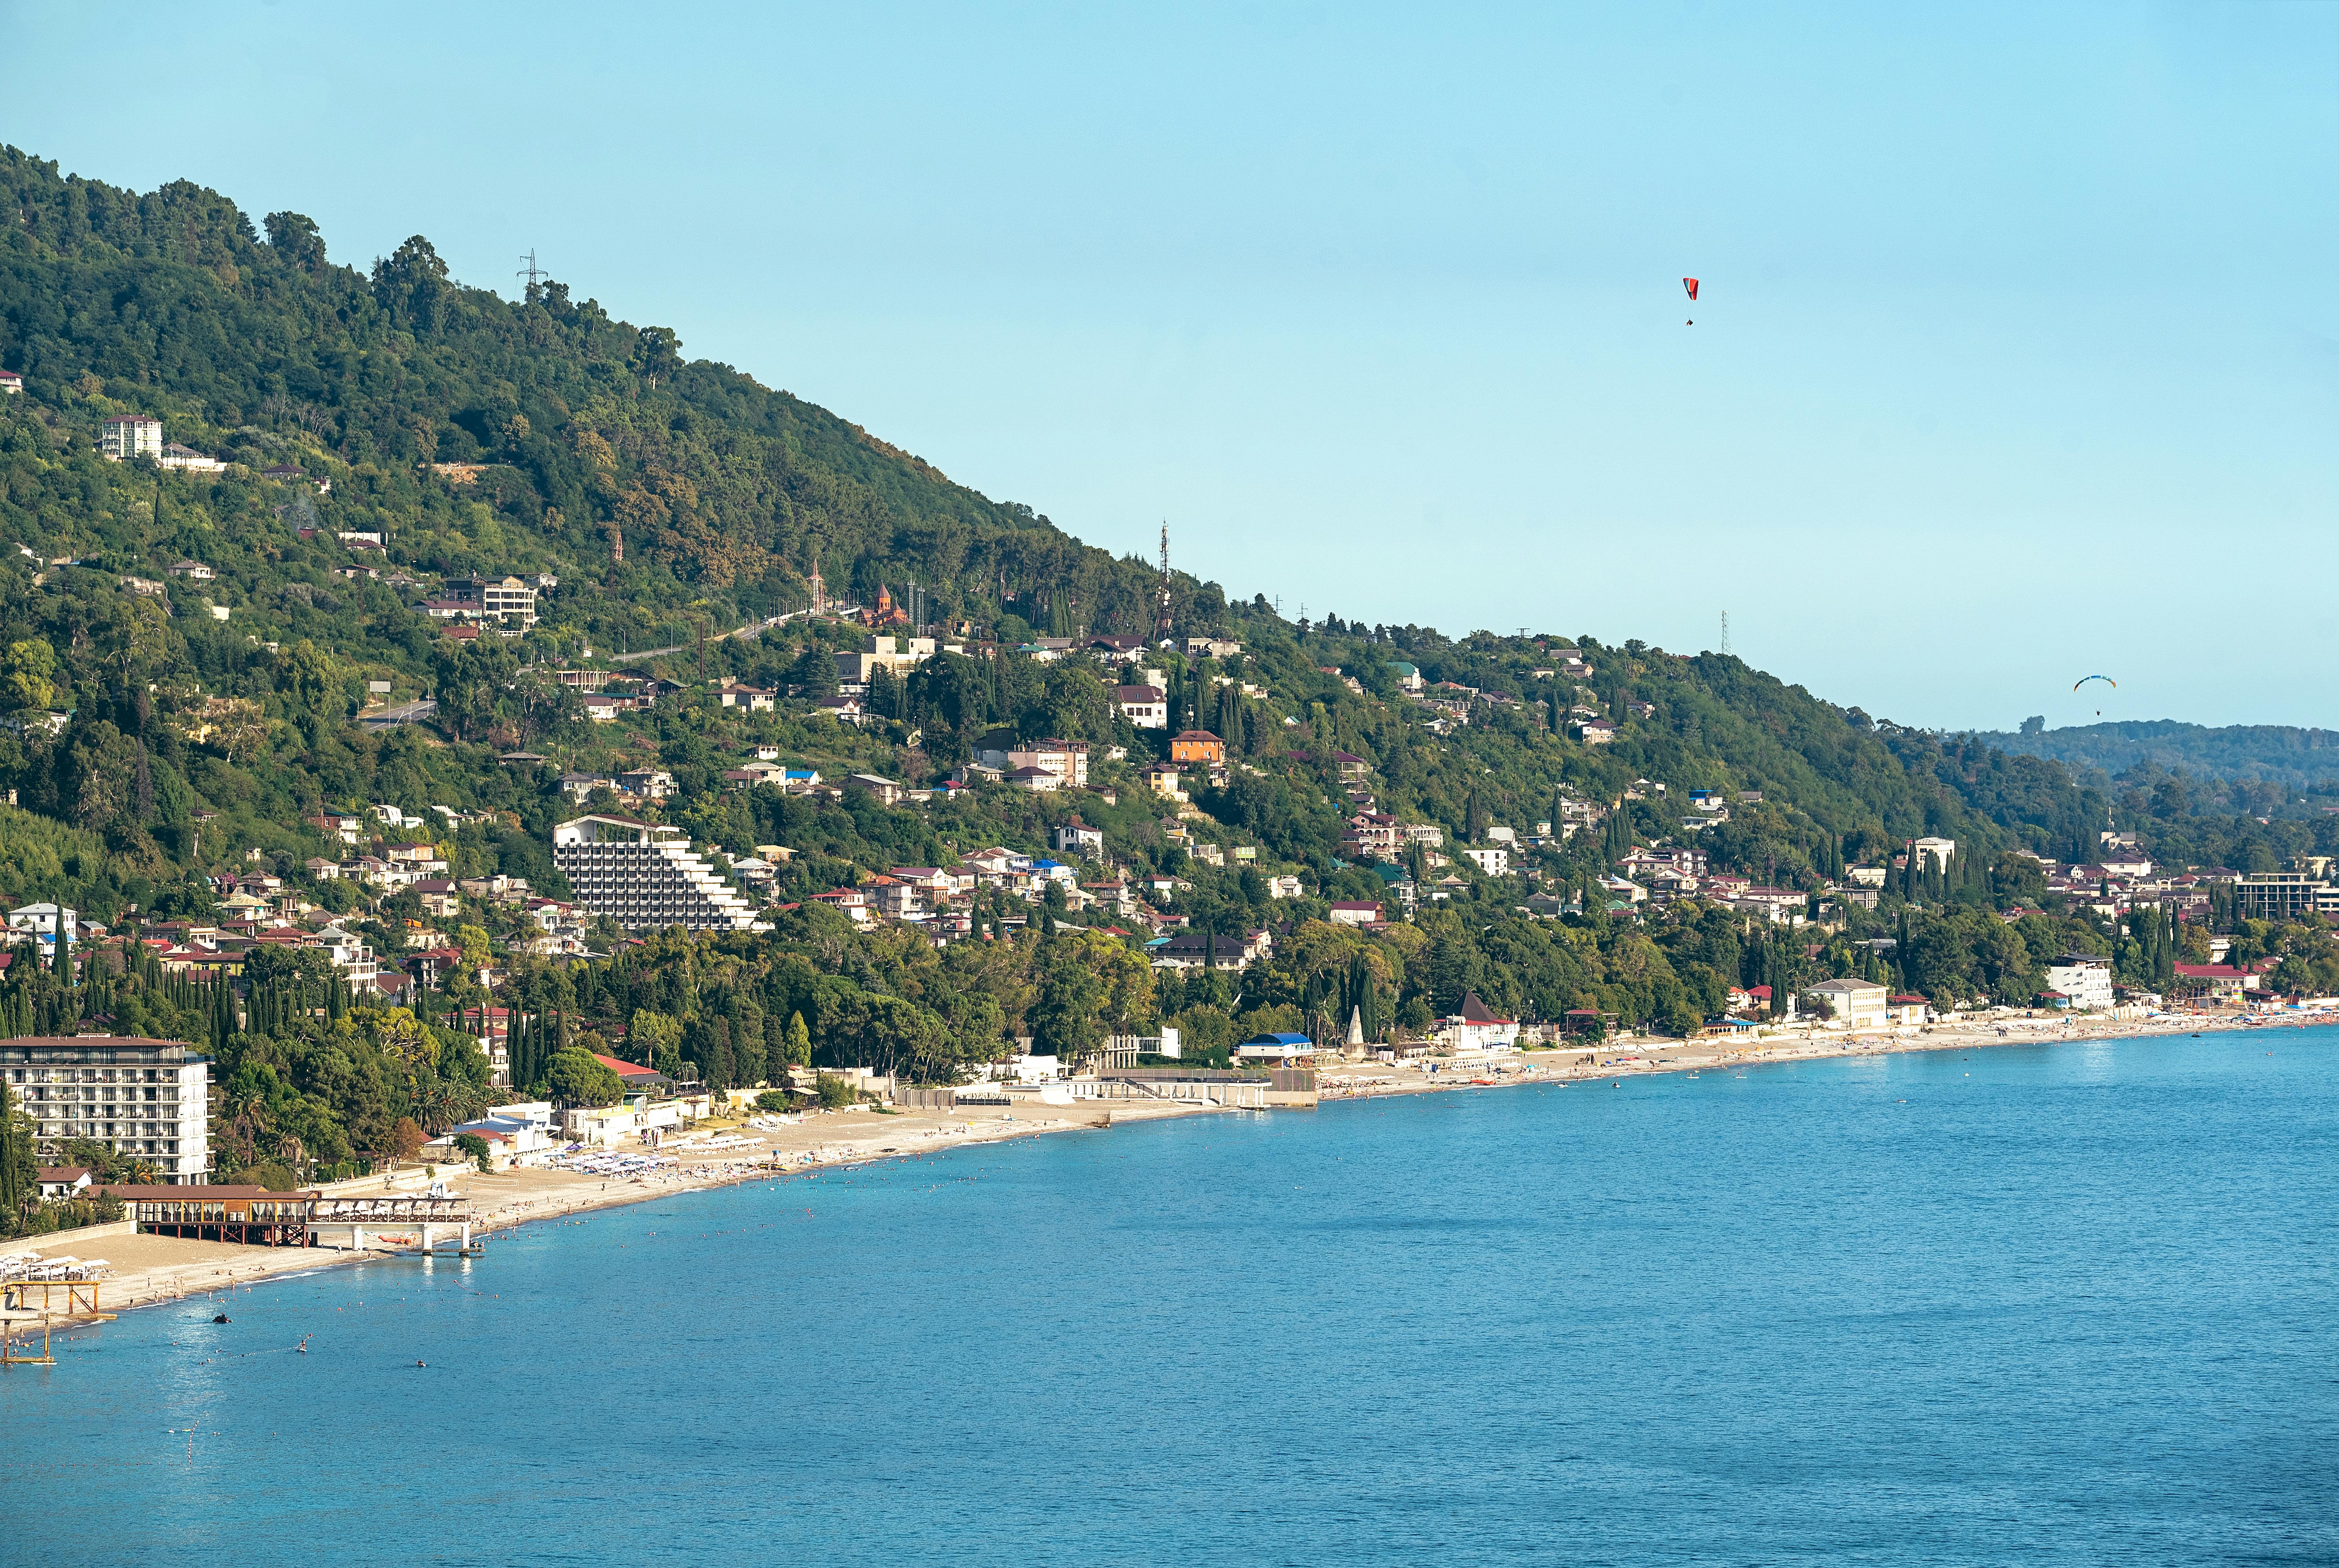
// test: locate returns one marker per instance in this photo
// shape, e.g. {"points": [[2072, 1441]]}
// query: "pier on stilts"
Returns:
{"points": [[396, 1224]]}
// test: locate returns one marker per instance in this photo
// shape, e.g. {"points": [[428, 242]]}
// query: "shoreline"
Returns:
{"points": [[155, 1270]]}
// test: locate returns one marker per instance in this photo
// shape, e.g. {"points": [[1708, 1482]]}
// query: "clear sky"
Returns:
{"points": [[2016, 358]]}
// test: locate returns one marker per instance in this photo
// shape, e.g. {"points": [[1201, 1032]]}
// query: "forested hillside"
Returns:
{"points": [[160, 729], [2289, 761]]}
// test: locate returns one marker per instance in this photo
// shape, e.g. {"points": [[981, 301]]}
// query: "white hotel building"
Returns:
{"points": [[646, 876], [144, 1099]]}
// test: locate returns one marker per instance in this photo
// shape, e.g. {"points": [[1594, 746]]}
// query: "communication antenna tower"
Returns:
{"points": [[1725, 634], [533, 274], [1161, 615]]}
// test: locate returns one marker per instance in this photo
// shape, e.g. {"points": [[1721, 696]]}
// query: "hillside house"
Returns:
{"points": [[1197, 748], [1067, 760], [1147, 707]]}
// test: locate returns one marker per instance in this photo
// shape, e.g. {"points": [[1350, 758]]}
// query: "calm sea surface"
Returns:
{"points": [[2068, 1303]]}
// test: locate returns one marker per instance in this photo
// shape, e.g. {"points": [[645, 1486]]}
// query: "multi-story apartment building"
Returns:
{"points": [[128, 436], [646, 876], [499, 599], [144, 1099], [2287, 895]]}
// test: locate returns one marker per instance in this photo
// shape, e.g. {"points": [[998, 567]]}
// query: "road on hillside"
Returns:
{"points": [[749, 630]]}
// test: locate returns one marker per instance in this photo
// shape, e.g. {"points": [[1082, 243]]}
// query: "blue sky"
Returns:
{"points": [[2017, 358]]}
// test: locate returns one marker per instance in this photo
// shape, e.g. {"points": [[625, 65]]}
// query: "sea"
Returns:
{"points": [[2035, 1304]]}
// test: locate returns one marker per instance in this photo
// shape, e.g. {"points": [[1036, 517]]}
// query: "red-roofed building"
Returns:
{"points": [[1476, 1028], [638, 1079], [2216, 982]]}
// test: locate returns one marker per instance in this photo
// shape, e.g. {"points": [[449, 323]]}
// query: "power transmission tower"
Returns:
{"points": [[534, 276]]}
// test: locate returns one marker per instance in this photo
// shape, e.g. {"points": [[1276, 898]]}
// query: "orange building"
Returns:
{"points": [[1198, 746]]}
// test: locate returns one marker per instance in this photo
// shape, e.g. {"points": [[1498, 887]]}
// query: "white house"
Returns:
{"points": [[41, 922], [1147, 707], [1476, 1028], [187, 460], [1854, 1003], [1493, 862]]}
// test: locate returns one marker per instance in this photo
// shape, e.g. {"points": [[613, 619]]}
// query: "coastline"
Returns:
{"points": [[153, 1270]]}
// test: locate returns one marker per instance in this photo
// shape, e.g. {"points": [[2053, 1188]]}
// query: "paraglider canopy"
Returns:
{"points": [[1691, 284], [2083, 680]]}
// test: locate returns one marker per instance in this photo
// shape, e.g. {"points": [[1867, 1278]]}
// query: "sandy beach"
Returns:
{"points": [[148, 1271]]}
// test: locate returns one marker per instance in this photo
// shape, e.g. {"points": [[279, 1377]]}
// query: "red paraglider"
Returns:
{"points": [[1691, 284]]}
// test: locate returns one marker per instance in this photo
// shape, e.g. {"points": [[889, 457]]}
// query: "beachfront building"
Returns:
{"points": [[1276, 1050], [146, 1099], [646, 876], [2082, 976], [1476, 1028], [1853, 1003]]}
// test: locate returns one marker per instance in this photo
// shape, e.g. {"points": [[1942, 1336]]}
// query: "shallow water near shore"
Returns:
{"points": [[2055, 1303]]}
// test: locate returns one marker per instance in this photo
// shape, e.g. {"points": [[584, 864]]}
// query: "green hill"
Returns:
{"points": [[2305, 759], [187, 657]]}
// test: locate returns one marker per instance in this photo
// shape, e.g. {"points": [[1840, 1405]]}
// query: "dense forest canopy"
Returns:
{"points": [[2294, 762]]}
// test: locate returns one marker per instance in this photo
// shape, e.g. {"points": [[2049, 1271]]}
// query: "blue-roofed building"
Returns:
{"points": [[1277, 1051]]}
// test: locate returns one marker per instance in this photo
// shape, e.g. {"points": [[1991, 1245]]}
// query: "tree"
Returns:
{"points": [[578, 1081], [19, 1175], [658, 353], [406, 1138], [295, 239], [1090, 984], [26, 675], [814, 671], [474, 944], [655, 1040], [471, 680], [412, 284]]}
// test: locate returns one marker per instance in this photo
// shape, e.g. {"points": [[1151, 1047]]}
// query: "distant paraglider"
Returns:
{"points": [[1691, 284], [2107, 680]]}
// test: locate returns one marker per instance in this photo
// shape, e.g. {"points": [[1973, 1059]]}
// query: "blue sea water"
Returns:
{"points": [[2055, 1304]]}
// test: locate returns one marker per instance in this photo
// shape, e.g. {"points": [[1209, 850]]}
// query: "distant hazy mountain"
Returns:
{"points": [[2280, 754]]}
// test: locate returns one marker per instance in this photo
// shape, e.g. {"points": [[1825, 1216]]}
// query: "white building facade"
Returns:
{"points": [[144, 1098], [2084, 978], [1854, 1003], [128, 436], [646, 876]]}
